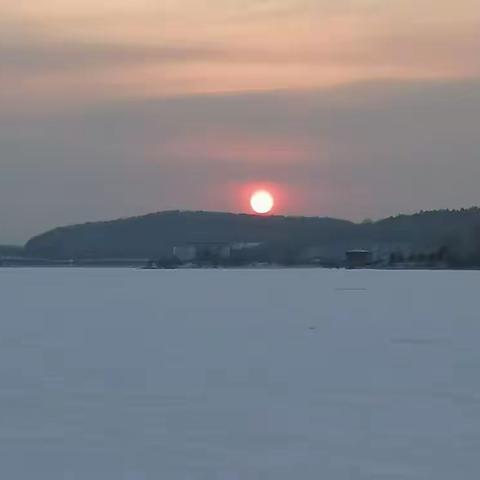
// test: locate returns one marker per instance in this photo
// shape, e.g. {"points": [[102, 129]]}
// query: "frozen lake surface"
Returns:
{"points": [[110, 374]]}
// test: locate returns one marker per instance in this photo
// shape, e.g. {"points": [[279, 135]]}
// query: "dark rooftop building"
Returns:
{"points": [[359, 258]]}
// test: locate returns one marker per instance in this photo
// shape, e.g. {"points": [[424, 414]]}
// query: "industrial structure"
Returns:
{"points": [[359, 258]]}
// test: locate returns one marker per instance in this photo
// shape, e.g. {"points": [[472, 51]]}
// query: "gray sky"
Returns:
{"points": [[358, 108]]}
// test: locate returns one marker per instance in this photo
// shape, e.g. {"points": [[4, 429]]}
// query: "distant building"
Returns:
{"points": [[245, 245], [359, 258], [185, 253], [202, 252], [215, 251]]}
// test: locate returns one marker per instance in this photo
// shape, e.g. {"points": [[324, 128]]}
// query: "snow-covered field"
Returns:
{"points": [[117, 374]]}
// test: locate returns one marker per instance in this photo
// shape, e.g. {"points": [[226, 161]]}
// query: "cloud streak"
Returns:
{"points": [[133, 49]]}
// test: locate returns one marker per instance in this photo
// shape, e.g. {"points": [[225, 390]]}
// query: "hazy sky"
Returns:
{"points": [[350, 108]]}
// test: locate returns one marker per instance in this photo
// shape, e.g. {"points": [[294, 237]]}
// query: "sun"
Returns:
{"points": [[262, 202]]}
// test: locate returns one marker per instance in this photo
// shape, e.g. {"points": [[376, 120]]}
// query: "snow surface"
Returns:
{"points": [[118, 374]]}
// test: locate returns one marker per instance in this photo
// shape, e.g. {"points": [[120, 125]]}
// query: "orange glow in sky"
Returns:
{"points": [[64, 52]]}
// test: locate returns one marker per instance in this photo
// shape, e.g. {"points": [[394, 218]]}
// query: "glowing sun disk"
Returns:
{"points": [[262, 202]]}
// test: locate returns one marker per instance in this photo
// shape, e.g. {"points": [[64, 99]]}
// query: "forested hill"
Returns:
{"points": [[155, 234]]}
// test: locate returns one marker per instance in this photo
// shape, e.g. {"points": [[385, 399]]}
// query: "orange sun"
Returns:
{"points": [[262, 202]]}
